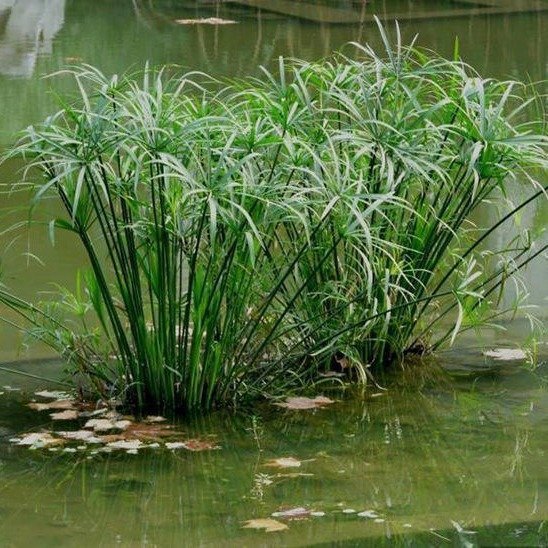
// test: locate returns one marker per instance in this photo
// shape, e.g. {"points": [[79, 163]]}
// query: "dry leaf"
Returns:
{"points": [[268, 524], [292, 513], [506, 354], [371, 514], [151, 419], [193, 445], [57, 404], [205, 21], [305, 403], [67, 415], [126, 444], [80, 435], [38, 440], [53, 395], [284, 462], [106, 425]]}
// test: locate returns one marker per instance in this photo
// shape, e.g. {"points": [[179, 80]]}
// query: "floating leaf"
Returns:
{"points": [[268, 524], [67, 415], [57, 404], [193, 445], [300, 402], [205, 21], [107, 425], [506, 354], [53, 395], [80, 435], [284, 462], [128, 445], [293, 513], [39, 439], [151, 419], [371, 514]]}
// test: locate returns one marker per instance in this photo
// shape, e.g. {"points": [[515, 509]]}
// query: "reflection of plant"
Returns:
{"points": [[239, 239]]}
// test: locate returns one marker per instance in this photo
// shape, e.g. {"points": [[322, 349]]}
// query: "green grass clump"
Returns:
{"points": [[243, 235]]}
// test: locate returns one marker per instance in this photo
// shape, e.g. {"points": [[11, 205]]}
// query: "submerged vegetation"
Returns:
{"points": [[244, 236]]}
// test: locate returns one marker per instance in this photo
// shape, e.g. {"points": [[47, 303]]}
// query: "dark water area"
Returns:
{"points": [[454, 453]]}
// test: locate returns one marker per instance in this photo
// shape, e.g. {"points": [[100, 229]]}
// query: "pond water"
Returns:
{"points": [[464, 440]]}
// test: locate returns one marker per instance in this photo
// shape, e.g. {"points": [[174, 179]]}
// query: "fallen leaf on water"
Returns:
{"points": [[67, 415], [151, 419], [506, 354], [126, 444], [192, 445], [292, 513], [268, 524], [284, 462], [38, 440], [57, 404], [300, 402], [294, 475], [80, 435], [205, 21], [53, 395], [151, 431], [107, 425], [371, 514]]}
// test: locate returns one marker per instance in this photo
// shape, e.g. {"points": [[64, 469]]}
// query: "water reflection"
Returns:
{"points": [[27, 30]]}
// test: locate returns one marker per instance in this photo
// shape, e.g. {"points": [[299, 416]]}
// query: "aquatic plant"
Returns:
{"points": [[242, 235]]}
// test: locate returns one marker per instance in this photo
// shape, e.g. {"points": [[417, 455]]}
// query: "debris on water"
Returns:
{"points": [[300, 402], [371, 514], [67, 415], [192, 445], [37, 440], [284, 462], [407, 525], [205, 21], [349, 511], [317, 514], [126, 444], [107, 425], [293, 513], [56, 404], [379, 520], [8, 388], [268, 524], [506, 354], [151, 419], [53, 394]]}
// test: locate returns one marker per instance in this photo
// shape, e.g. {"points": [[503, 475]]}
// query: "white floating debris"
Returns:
{"points": [[205, 21], [8, 388], [371, 514], [317, 514], [506, 354], [53, 394], [106, 425], [379, 520], [126, 444], [132, 451], [349, 511], [176, 445], [69, 450], [37, 440], [67, 415]]}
